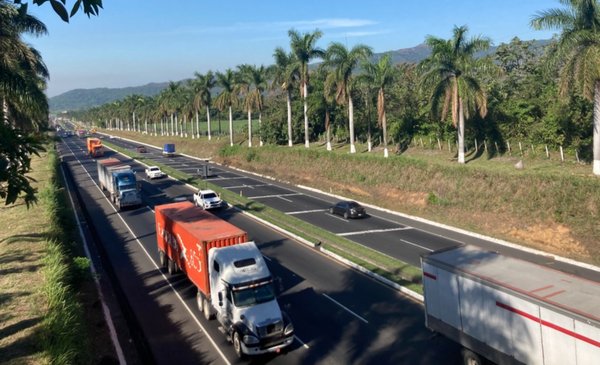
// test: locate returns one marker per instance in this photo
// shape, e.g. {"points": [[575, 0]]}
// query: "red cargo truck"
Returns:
{"points": [[233, 281]]}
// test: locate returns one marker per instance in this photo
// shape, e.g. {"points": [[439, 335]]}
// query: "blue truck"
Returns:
{"points": [[169, 149], [120, 182]]}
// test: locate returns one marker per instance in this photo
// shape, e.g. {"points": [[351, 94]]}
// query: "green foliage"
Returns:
{"points": [[227, 151]]}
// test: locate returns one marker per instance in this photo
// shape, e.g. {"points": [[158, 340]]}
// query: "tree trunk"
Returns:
{"points": [[369, 144], [461, 132], [172, 121], [230, 127], [249, 127], [289, 117], [208, 121], [306, 142], [351, 124], [596, 135], [328, 128], [133, 121], [260, 141], [384, 125], [197, 126]]}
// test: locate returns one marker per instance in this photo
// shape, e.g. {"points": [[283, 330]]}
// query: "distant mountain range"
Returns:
{"points": [[80, 99]]}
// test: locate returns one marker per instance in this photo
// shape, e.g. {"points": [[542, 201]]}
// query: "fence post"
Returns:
{"points": [[476, 147], [562, 156], [577, 155], [520, 148], [497, 149], [422, 145], [485, 146], [449, 148], [508, 146], [547, 153], [439, 144]]}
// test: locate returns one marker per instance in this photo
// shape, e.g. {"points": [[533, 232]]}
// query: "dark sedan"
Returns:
{"points": [[348, 209]]}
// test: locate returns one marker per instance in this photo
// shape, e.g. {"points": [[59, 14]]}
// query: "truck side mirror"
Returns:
{"points": [[220, 294]]}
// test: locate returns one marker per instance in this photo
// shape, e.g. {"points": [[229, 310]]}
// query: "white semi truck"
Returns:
{"points": [[511, 311]]}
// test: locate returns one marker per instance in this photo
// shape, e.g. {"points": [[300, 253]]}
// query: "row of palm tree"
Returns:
{"points": [[451, 75]]}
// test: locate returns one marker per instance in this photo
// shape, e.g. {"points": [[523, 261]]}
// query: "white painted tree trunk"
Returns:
{"points": [[596, 134], [249, 128], [461, 132], [289, 117], [208, 121], [351, 124], [384, 125], [230, 127], [260, 141], [329, 138], [306, 141], [133, 121], [172, 122], [146, 126]]}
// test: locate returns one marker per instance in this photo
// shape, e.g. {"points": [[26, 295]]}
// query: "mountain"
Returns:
{"points": [[79, 99]]}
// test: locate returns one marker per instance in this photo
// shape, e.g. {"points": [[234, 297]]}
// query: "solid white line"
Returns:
{"points": [[105, 310], [301, 342], [306, 211], [374, 231], [287, 200], [157, 268], [348, 310], [417, 245], [245, 186], [272, 196]]}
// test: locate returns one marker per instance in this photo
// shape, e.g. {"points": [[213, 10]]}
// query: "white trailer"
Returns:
{"points": [[511, 311]]}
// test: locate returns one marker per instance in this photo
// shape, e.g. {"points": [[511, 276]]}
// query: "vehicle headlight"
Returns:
{"points": [[250, 340], [289, 329]]}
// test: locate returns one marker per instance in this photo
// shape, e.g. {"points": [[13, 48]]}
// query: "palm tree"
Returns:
{"points": [[578, 52], [451, 73], [203, 84], [256, 80], [380, 75], [285, 74], [327, 99], [228, 97], [343, 62], [244, 83], [304, 48]]}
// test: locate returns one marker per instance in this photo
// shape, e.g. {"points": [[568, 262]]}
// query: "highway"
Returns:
{"points": [[395, 235], [340, 315]]}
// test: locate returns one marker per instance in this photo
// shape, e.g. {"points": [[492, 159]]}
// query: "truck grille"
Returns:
{"points": [[270, 329]]}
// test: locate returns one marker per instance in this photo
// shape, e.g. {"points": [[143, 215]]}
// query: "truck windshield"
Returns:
{"points": [[255, 295], [127, 187]]}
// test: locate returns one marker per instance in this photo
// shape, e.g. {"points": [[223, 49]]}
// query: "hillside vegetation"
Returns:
{"points": [[548, 205]]}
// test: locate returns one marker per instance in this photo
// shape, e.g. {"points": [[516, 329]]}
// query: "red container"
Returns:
{"points": [[185, 233]]}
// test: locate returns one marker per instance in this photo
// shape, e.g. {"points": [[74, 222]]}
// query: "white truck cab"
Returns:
{"points": [[208, 199], [243, 299]]}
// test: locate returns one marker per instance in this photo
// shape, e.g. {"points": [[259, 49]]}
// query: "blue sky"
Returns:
{"points": [[135, 42]]}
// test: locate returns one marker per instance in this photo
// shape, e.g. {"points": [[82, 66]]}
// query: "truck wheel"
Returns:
{"points": [[171, 267], [162, 258], [237, 345], [200, 301], [206, 309], [471, 358]]}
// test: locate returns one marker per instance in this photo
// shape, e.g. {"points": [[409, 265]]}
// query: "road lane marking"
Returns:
{"points": [[417, 245], [345, 308], [272, 196], [245, 186], [373, 231], [306, 211], [287, 200]]}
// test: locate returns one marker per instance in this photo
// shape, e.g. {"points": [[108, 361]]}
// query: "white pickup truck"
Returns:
{"points": [[208, 199], [154, 172]]}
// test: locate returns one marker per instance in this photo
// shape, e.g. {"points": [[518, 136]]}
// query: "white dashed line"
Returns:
{"points": [[306, 211], [374, 231], [272, 196], [416, 245], [348, 310]]}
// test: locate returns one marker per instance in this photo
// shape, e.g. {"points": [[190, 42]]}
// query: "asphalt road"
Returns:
{"points": [[398, 236], [340, 315]]}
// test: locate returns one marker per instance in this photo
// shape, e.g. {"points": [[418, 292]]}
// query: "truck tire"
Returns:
{"points": [[200, 301], [162, 258], [237, 345], [208, 315], [171, 267], [471, 358]]}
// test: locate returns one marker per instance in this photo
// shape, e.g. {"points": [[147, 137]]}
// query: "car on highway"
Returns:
{"points": [[141, 149], [348, 209], [208, 199], [154, 172]]}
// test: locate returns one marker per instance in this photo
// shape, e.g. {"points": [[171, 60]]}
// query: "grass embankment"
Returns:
{"points": [[43, 282]]}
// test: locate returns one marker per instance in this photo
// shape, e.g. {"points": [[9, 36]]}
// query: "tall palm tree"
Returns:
{"points": [[578, 52], [304, 48], [256, 78], [343, 62], [285, 75], [244, 83], [380, 75], [203, 86], [228, 97], [450, 72], [326, 101]]}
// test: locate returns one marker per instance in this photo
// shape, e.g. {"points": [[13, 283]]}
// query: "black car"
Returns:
{"points": [[348, 209]]}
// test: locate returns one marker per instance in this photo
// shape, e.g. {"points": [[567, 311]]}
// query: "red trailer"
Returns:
{"points": [[185, 233]]}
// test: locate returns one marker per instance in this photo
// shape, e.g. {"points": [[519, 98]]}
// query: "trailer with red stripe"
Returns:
{"points": [[511, 311]]}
